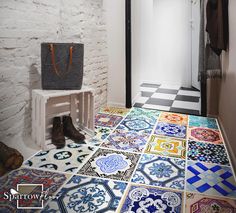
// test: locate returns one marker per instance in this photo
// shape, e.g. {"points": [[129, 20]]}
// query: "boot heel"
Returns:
{"points": [[58, 138]]}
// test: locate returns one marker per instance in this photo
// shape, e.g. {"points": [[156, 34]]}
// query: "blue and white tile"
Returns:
{"points": [[210, 179], [68, 159], [198, 121], [171, 130], [126, 140], [160, 171], [83, 194], [141, 124], [111, 164], [144, 113], [101, 133], [151, 199]]}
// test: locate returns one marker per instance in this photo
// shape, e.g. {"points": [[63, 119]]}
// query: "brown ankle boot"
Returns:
{"points": [[70, 131], [58, 138]]}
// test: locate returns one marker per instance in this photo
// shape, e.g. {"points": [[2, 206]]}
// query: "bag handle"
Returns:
{"points": [[52, 50]]}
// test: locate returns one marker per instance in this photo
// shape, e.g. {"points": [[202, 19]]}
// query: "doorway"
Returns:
{"points": [[164, 37]]}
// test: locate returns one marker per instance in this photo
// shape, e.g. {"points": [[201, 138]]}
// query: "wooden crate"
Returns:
{"points": [[47, 104]]}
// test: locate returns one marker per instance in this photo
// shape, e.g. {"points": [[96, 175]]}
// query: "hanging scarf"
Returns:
{"points": [[209, 59]]}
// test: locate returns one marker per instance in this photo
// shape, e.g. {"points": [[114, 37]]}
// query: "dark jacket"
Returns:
{"points": [[218, 24]]}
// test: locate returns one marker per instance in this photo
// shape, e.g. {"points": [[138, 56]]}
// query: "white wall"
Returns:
{"points": [[24, 25], [161, 42], [142, 46], [115, 20], [172, 43]]}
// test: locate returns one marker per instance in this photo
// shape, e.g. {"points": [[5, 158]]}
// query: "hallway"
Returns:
{"points": [[169, 98]]}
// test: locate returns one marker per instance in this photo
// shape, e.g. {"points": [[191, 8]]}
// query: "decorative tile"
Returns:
{"points": [[51, 181], [142, 124], [174, 118], [126, 140], [111, 164], [149, 199], [165, 146], [171, 130], [160, 171], [199, 203], [205, 135], [139, 112], [207, 152], [68, 159], [94, 141], [107, 120], [115, 111], [197, 121], [83, 194], [101, 133], [210, 179]]}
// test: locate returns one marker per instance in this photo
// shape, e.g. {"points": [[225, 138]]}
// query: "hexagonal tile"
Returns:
{"points": [[171, 130], [205, 135], [160, 171], [144, 125], [151, 199], [203, 203], [126, 140], [174, 118], [111, 164], [84, 194]]}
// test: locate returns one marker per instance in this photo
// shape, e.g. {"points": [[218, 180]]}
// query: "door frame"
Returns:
{"points": [[128, 54], [128, 63]]}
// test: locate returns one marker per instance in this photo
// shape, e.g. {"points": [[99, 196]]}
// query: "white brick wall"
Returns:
{"points": [[24, 24]]}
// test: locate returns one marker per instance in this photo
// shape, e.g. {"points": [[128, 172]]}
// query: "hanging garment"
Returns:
{"points": [[209, 61], [218, 24], [213, 63]]}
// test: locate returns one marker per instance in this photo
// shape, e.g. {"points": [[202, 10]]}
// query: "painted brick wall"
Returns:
{"points": [[24, 24]]}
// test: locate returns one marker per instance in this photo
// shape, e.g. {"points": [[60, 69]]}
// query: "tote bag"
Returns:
{"points": [[62, 66]]}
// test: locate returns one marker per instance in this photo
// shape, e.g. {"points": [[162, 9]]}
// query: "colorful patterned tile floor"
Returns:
{"points": [[139, 161]]}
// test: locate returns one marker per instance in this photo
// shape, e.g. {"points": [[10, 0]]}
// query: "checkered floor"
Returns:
{"points": [[169, 98], [140, 160]]}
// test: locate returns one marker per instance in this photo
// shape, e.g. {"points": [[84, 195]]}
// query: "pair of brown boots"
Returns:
{"points": [[62, 128]]}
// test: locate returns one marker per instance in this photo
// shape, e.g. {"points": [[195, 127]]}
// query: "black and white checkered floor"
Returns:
{"points": [[169, 98]]}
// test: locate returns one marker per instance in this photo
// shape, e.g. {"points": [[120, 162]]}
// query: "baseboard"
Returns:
{"points": [[136, 98], [116, 104], [212, 116], [228, 146]]}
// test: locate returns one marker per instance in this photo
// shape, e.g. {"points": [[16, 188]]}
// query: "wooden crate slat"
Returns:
{"points": [[48, 104]]}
